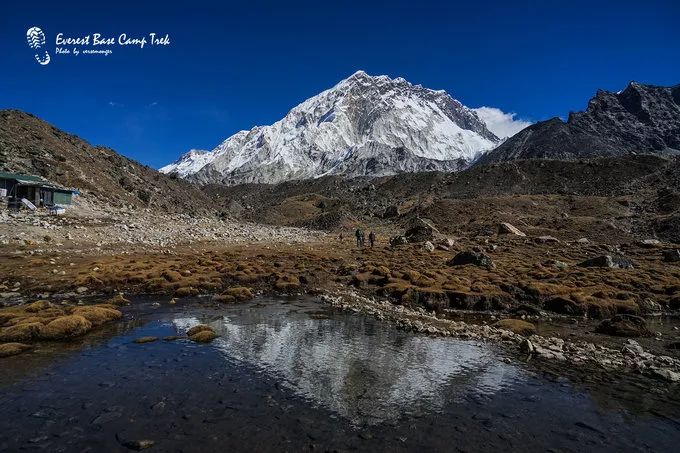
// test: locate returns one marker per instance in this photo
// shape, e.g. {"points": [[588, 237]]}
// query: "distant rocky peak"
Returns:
{"points": [[640, 118]]}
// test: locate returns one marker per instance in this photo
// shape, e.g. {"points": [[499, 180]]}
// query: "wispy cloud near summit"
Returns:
{"points": [[500, 123]]}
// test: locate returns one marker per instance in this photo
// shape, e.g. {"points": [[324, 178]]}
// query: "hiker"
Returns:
{"points": [[340, 237], [371, 238], [359, 234]]}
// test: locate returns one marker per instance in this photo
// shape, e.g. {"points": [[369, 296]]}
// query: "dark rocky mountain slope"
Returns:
{"points": [[32, 146], [616, 198], [639, 119]]}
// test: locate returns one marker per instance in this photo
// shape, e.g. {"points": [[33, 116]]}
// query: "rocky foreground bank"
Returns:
{"points": [[97, 227], [509, 333]]}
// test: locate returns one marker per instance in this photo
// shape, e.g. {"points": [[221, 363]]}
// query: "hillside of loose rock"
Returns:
{"points": [[618, 198], [32, 146]]}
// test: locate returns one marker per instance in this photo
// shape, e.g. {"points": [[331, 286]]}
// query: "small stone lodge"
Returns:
{"points": [[35, 189]]}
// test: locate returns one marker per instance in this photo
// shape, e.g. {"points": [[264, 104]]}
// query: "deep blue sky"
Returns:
{"points": [[232, 66]]}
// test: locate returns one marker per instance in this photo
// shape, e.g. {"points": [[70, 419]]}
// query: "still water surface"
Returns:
{"points": [[291, 375]]}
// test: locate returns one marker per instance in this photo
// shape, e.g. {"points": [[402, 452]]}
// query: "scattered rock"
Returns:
{"points": [[471, 257], [671, 256], [235, 294], [39, 305], [517, 326], [428, 246], [674, 303], [610, 261], [10, 349], [624, 326], [109, 414], [508, 228], [119, 300], [66, 327], [550, 353], [445, 243], [185, 291], [136, 445], [668, 375], [199, 328], [527, 346], [204, 336], [391, 212], [546, 240], [526, 310], [421, 230], [632, 347], [398, 240], [649, 243], [22, 332], [97, 315], [649, 305], [142, 340]]}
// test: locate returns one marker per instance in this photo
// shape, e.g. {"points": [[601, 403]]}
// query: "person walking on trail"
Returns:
{"points": [[359, 234], [371, 238]]}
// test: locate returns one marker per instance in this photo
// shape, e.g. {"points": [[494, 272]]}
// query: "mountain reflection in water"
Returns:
{"points": [[364, 370]]}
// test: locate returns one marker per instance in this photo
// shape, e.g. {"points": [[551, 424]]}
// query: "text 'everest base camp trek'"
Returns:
{"points": [[377, 223]]}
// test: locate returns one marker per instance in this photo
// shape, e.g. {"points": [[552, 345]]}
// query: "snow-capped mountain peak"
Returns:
{"points": [[364, 125], [189, 163]]}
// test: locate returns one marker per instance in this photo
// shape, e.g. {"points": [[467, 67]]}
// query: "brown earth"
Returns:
{"points": [[525, 272]]}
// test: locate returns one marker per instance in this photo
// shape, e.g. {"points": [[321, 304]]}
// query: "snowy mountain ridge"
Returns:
{"points": [[188, 163], [363, 126]]}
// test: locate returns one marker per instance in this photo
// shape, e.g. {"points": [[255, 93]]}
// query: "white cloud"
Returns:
{"points": [[502, 124]]}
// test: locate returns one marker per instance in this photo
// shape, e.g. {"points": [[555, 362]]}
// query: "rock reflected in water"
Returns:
{"points": [[363, 372]]}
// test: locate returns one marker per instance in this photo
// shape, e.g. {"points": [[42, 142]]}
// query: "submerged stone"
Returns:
{"points": [[624, 326], [10, 349]]}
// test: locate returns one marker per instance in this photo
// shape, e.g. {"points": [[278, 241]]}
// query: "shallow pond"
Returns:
{"points": [[292, 375]]}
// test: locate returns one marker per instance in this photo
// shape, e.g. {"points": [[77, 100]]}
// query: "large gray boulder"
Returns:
{"points": [[671, 256], [471, 257], [421, 230], [508, 228], [609, 261]]}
